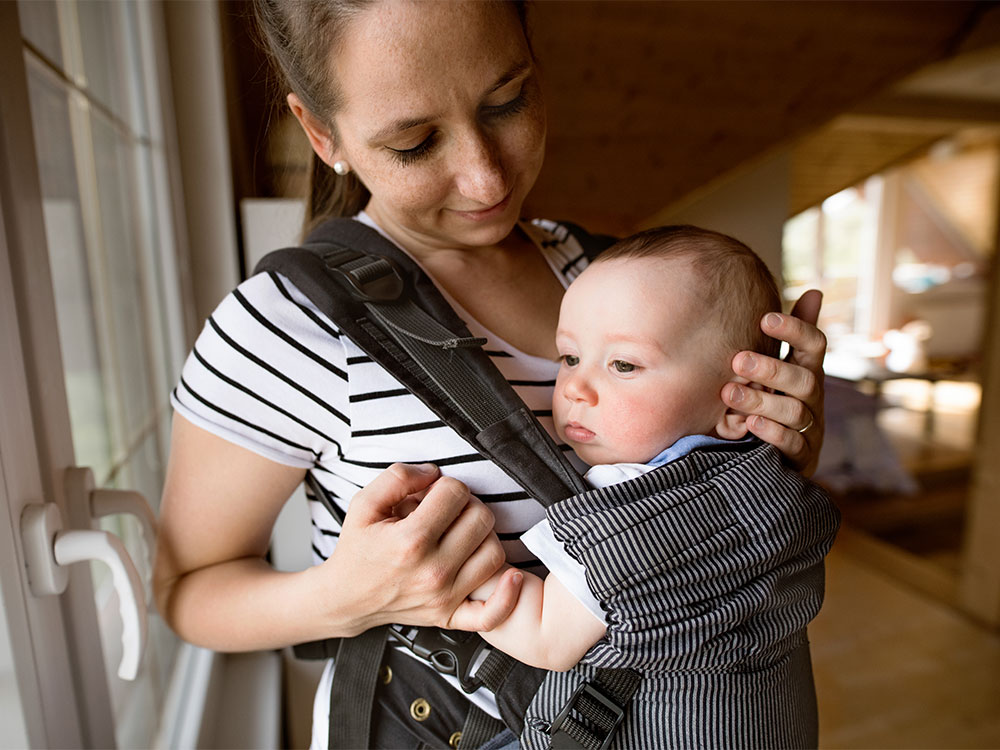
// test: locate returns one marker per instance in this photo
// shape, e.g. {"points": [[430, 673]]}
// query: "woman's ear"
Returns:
{"points": [[318, 134]]}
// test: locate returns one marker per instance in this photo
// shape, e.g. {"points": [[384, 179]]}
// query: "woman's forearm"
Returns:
{"points": [[245, 605]]}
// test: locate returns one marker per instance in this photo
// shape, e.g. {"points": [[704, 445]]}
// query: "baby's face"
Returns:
{"points": [[640, 366]]}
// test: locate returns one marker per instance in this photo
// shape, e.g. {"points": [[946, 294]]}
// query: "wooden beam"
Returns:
{"points": [[979, 586]]}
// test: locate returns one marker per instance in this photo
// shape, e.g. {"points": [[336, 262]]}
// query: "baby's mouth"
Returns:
{"points": [[578, 433]]}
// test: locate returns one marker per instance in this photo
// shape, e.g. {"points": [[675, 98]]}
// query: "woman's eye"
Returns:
{"points": [[621, 365], [410, 155], [570, 360], [508, 108]]}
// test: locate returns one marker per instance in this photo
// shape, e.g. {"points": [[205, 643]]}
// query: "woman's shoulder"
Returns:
{"points": [[272, 302]]}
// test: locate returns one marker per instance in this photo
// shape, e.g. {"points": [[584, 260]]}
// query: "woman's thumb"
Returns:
{"points": [[375, 502]]}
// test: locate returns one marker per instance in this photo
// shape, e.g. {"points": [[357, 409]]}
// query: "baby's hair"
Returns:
{"points": [[736, 283]]}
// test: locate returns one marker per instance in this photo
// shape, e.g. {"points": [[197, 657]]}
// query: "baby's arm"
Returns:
{"points": [[549, 627]]}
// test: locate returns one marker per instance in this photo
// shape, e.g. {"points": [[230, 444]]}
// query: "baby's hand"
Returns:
{"points": [[482, 615]]}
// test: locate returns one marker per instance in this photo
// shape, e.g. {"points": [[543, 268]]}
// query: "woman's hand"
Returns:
{"points": [[414, 545], [790, 416]]}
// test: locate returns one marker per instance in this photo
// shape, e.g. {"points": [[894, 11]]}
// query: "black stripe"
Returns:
{"points": [[538, 383], [495, 353], [469, 458], [274, 371], [397, 430], [328, 532], [507, 536], [356, 397], [502, 497], [318, 553], [286, 338], [312, 315], [359, 360], [275, 407], [566, 268], [542, 412], [320, 467], [229, 415]]}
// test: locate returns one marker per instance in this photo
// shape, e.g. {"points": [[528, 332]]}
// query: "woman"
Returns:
{"points": [[430, 118]]}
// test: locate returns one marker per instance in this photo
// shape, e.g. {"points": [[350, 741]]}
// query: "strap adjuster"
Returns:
{"points": [[602, 716], [370, 278]]}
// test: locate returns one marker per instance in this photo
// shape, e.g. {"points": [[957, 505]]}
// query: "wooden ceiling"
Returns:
{"points": [[649, 101]]}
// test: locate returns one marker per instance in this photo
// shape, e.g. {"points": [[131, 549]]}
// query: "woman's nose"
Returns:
{"points": [[479, 173]]}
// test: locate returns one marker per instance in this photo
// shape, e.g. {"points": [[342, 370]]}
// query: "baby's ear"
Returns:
{"points": [[732, 424]]}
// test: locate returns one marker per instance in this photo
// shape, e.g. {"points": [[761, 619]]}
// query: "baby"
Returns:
{"points": [[697, 558]]}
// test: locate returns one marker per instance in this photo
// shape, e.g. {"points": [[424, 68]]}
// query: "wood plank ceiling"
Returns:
{"points": [[649, 101]]}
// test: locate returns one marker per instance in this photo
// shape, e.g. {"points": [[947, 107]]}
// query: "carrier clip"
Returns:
{"points": [[603, 716], [451, 652]]}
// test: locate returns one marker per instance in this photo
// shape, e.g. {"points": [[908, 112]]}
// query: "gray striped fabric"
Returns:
{"points": [[709, 569]]}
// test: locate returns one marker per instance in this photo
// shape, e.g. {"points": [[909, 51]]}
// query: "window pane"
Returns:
{"points": [[40, 28], [114, 175], [71, 272], [105, 64]]}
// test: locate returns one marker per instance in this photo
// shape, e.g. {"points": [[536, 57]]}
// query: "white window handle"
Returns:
{"points": [[49, 548], [79, 485]]}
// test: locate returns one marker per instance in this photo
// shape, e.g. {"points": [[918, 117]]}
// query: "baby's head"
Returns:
{"points": [[647, 336]]}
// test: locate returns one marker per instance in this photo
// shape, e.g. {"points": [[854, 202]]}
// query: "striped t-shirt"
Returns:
{"points": [[271, 373]]}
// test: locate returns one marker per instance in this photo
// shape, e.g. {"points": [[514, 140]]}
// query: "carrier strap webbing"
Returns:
{"points": [[479, 727], [358, 660]]}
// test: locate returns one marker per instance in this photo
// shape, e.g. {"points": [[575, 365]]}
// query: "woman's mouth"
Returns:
{"points": [[578, 433], [487, 213]]}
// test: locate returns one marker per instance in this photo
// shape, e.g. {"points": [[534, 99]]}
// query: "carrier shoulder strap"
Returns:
{"points": [[381, 299]]}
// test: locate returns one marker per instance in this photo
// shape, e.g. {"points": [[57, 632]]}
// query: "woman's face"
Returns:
{"points": [[441, 118]]}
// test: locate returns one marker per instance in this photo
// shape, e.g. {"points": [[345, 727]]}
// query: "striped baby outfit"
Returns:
{"points": [[709, 568]]}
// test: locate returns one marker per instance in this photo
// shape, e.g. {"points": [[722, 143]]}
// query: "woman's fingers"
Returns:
{"points": [[786, 410], [376, 501], [807, 342], [445, 502], [477, 568], [795, 446], [807, 306], [795, 380]]}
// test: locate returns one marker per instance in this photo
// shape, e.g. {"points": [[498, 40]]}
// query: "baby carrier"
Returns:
{"points": [[723, 683], [386, 305]]}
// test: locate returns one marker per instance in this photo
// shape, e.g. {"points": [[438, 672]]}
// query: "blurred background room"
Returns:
{"points": [[147, 161]]}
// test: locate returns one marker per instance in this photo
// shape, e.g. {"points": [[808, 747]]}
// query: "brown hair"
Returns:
{"points": [[300, 35], [735, 284]]}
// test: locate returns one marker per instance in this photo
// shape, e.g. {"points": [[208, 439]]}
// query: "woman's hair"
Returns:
{"points": [[301, 36], [736, 287]]}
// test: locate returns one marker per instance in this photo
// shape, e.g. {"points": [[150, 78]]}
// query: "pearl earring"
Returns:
{"points": [[341, 168]]}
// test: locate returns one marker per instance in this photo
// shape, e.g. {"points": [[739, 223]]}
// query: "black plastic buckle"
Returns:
{"points": [[563, 741], [376, 280], [451, 652]]}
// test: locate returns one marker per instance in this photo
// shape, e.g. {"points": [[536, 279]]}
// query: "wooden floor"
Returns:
{"points": [[897, 669]]}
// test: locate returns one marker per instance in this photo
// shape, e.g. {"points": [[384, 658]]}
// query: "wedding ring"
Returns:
{"points": [[811, 421]]}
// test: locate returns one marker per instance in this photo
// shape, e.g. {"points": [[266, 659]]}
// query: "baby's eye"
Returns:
{"points": [[621, 365], [570, 360]]}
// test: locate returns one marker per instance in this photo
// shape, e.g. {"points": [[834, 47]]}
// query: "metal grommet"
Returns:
{"points": [[455, 738], [385, 674], [420, 709]]}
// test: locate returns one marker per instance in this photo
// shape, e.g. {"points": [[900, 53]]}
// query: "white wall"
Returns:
{"points": [[751, 205]]}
